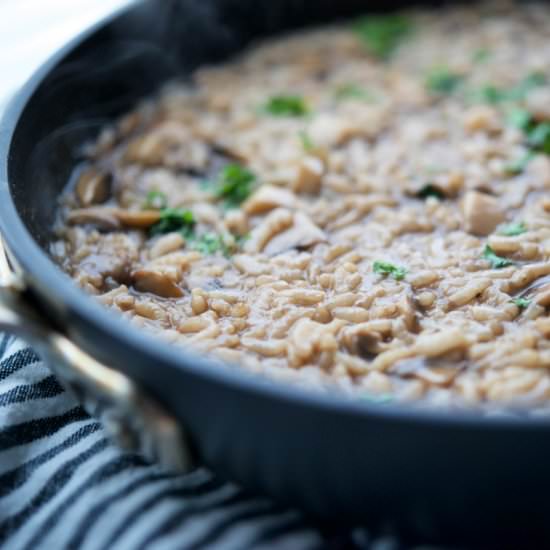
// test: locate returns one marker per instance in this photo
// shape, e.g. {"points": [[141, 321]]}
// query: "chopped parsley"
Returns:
{"points": [[441, 80], [174, 219], [234, 184], [382, 34], [518, 166], [481, 55], [210, 243], [489, 94], [306, 141], [519, 118], [386, 268], [430, 190], [353, 91], [493, 94], [532, 81], [497, 262], [538, 137], [155, 200], [522, 303], [512, 229], [286, 105]]}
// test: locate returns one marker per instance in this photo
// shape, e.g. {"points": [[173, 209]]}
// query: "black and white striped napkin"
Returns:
{"points": [[64, 485]]}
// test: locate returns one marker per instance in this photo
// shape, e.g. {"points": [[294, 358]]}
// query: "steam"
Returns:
{"points": [[130, 58]]}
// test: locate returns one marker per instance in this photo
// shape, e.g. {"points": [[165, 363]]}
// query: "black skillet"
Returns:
{"points": [[432, 476]]}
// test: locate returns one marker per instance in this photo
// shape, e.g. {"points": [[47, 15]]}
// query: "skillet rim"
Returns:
{"points": [[47, 279]]}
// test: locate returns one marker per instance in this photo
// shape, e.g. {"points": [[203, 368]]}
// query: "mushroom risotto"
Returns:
{"points": [[362, 206]]}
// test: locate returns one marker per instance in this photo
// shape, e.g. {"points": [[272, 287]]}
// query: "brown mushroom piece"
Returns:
{"points": [[113, 218], [169, 143], [275, 222], [330, 130], [268, 197], [111, 257], [160, 282], [138, 219], [93, 187], [482, 213], [103, 218], [308, 176], [362, 341], [302, 234], [407, 308]]}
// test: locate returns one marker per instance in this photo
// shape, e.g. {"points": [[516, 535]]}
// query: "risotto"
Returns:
{"points": [[362, 206]]}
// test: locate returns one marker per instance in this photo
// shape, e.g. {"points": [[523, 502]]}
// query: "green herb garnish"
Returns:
{"points": [[493, 94], [519, 118], [518, 166], [234, 184], [538, 137], [385, 268], [381, 34], [530, 82], [512, 229], [481, 55], [353, 91], [497, 262], [174, 219], [442, 80], [489, 94], [286, 105], [306, 141], [210, 243], [155, 200], [522, 303], [430, 190]]}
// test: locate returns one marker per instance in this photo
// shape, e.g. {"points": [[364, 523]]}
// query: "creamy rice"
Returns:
{"points": [[351, 210]]}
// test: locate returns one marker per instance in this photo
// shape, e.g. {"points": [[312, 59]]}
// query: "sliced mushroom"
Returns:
{"points": [[137, 218], [104, 218], [160, 282], [236, 222], [302, 234], [362, 340], [170, 143], [419, 367], [308, 176], [482, 213], [150, 148], [330, 130], [482, 118], [407, 308], [110, 257], [113, 218], [274, 223], [268, 197], [93, 187]]}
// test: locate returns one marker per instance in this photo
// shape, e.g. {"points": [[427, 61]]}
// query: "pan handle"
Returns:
{"points": [[133, 419]]}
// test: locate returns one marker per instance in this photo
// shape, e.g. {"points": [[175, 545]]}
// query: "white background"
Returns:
{"points": [[31, 30]]}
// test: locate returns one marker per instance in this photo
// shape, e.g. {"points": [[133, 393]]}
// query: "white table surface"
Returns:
{"points": [[31, 30]]}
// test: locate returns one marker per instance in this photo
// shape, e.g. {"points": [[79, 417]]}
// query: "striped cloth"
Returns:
{"points": [[64, 485]]}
